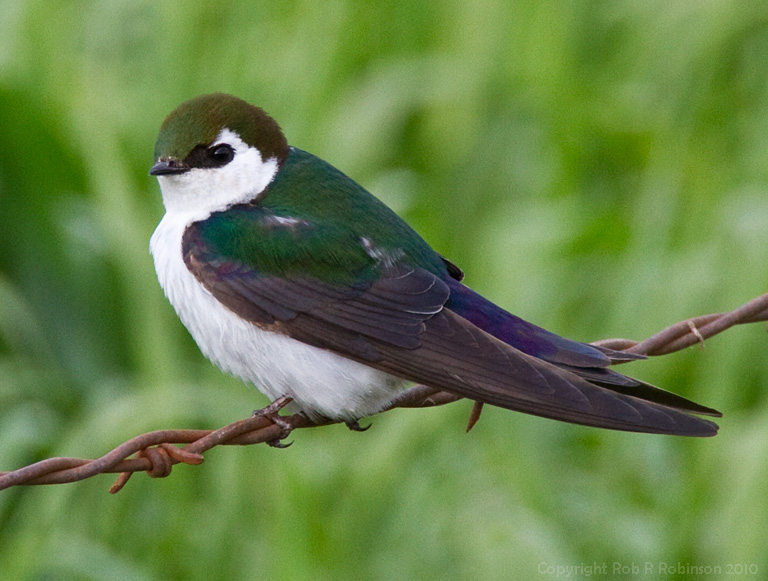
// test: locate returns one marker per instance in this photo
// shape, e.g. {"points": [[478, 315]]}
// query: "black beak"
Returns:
{"points": [[166, 167]]}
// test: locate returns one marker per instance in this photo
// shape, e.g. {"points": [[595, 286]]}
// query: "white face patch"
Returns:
{"points": [[201, 191]]}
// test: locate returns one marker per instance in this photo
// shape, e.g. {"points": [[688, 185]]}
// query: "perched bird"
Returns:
{"points": [[293, 277]]}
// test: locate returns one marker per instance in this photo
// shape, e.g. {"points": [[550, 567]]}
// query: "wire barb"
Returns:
{"points": [[157, 452], [696, 332], [474, 415]]}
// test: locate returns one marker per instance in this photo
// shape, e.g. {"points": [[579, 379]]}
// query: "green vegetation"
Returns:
{"points": [[599, 168]]}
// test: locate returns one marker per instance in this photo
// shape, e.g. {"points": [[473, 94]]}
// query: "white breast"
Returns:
{"points": [[319, 381]]}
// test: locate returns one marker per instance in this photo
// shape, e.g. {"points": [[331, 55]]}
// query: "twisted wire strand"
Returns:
{"points": [[156, 452]]}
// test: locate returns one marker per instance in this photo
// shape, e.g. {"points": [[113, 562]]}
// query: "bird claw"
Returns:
{"points": [[271, 413], [355, 427]]}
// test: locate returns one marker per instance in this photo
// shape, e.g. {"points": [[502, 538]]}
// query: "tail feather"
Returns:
{"points": [[619, 383], [590, 362]]}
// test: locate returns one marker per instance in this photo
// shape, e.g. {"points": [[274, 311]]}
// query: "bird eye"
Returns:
{"points": [[222, 154]]}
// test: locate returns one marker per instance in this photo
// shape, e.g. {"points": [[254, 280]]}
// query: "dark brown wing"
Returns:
{"points": [[457, 356], [398, 323]]}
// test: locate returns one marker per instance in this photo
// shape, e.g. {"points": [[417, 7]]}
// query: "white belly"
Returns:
{"points": [[319, 381]]}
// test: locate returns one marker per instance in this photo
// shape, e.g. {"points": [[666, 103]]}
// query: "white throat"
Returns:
{"points": [[199, 192]]}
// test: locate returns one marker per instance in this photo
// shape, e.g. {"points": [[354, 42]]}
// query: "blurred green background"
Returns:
{"points": [[599, 168]]}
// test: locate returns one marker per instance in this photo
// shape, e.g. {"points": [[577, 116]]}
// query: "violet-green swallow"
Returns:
{"points": [[293, 277]]}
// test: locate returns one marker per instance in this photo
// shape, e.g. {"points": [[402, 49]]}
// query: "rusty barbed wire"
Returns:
{"points": [[156, 452], [692, 331]]}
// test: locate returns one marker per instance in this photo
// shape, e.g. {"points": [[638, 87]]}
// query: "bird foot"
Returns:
{"points": [[271, 413], [355, 427]]}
